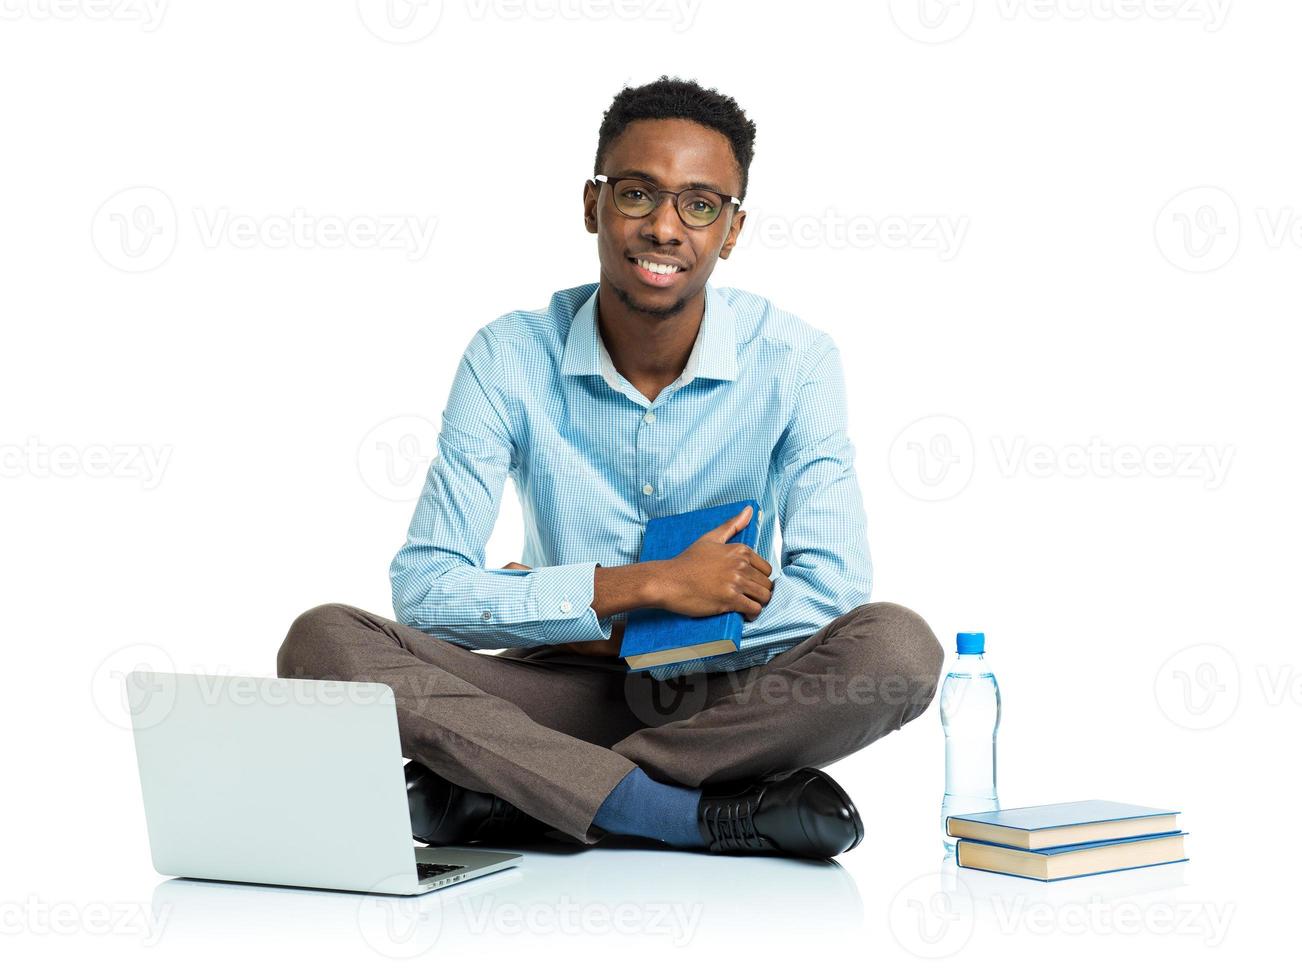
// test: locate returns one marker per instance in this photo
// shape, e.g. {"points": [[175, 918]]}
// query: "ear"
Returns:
{"points": [[590, 192], [738, 220]]}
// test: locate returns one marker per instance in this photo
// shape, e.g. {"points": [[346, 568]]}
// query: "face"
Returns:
{"points": [[675, 153]]}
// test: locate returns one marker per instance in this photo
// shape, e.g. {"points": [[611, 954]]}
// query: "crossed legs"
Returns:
{"points": [[553, 734]]}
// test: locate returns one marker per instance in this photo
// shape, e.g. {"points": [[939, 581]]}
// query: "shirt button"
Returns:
{"points": [[486, 616], [649, 417], [648, 489], [565, 605]]}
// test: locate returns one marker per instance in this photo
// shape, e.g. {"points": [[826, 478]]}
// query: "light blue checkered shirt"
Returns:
{"points": [[758, 412]]}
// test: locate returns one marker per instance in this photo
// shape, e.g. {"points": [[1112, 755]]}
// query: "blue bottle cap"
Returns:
{"points": [[971, 643]]}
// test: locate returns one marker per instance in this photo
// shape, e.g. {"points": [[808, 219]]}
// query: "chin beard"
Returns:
{"points": [[660, 313]]}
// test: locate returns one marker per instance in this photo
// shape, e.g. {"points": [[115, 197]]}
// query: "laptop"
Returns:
{"points": [[283, 781]]}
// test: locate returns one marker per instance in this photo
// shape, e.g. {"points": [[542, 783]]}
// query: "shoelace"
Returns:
{"points": [[732, 825]]}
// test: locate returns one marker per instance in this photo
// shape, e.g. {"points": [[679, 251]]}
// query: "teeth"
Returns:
{"points": [[660, 270]]}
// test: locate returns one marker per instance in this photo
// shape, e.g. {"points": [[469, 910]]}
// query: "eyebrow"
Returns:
{"points": [[694, 185]]}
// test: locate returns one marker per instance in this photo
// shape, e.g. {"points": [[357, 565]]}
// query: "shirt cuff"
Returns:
{"points": [[565, 592]]}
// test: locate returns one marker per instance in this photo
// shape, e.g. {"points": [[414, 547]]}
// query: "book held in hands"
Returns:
{"points": [[653, 637]]}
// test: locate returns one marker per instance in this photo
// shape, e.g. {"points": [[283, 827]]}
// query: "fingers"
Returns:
{"points": [[756, 586], [731, 526], [757, 562]]}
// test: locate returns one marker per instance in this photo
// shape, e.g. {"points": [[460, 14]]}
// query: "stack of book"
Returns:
{"points": [[1067, 840]]}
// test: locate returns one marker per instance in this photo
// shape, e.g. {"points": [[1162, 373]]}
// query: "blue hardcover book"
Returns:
{"points": [[1073, 860], [653, 637], [1037, 827]]}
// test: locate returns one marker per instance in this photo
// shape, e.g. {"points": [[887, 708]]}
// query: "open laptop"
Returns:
{"points": [[283, 781]]}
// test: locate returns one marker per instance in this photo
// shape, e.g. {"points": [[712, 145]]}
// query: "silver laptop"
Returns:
{"points": [[283, 781]]}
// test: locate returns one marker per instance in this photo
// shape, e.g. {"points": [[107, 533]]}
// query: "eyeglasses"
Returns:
{"points": [[636, 198]]}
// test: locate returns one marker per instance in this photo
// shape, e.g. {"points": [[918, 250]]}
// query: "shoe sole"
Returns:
{"points": [[844, 797]]}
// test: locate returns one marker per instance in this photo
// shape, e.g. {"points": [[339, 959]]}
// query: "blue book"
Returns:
{"points": [[1037, 827], [1073, 860], [654, 637]]}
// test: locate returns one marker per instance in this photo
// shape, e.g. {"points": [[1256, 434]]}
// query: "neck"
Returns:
{"points": [[649, 347]]}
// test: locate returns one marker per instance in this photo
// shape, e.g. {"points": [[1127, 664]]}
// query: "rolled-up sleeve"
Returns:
{"points": [[826, 565], [440, 585]]}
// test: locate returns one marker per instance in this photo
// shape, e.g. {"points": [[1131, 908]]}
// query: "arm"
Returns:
{"points": [[440, 585], [826, 565]]}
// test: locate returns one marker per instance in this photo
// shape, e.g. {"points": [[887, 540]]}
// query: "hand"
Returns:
{"points": [[588, 648], [712, 576]]}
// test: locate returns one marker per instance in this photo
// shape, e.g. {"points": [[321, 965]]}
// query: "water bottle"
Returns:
{"points": [[969, 713]]}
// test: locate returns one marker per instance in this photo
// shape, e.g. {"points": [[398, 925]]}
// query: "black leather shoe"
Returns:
{"points": [[805, 814], [444, 813]]}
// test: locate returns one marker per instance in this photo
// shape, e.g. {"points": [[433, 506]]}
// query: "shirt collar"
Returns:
{"points": [[714, 355]]}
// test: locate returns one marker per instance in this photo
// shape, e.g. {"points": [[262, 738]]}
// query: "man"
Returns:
{"points": [[649, 393]]}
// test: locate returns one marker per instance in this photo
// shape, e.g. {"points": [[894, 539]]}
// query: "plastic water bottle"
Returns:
{"points": [[969, 713]]}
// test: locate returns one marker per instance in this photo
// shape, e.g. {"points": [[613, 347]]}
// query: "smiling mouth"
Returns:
{"points": [[655, 274]]}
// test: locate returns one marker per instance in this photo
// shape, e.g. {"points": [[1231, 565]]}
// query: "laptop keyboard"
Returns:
{"points": [[425, 870]]}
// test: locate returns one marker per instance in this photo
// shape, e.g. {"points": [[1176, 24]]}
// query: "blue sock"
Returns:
{"points": [[640, 806]]}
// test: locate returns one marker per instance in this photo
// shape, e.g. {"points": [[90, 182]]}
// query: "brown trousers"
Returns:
{"points": [[554, 732]]}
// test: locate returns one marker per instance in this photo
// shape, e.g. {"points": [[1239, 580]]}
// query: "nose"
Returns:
{"points": [[664, 220]]}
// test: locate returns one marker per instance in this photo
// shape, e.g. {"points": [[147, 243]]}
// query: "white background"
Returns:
{"points": [[1074, 418]]}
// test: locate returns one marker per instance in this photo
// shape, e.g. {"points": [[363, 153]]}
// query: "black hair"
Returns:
{"points": [[676, 98]]}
